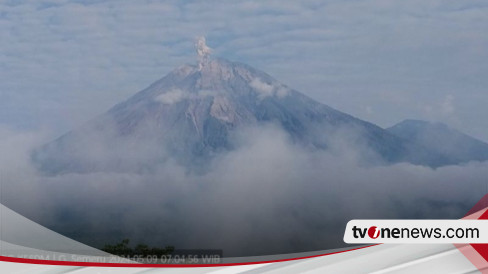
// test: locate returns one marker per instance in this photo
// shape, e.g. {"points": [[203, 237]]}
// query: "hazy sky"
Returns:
{"points": [[62, 62]]}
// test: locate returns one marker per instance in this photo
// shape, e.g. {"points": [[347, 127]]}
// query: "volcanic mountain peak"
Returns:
{"points": [[440, 138], [190, 114]]}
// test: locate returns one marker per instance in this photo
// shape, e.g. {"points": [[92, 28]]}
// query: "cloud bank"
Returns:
{"points": [[268, 196]]}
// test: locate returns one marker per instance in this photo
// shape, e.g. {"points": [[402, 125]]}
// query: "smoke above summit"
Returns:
{"points": [[203, 51]]}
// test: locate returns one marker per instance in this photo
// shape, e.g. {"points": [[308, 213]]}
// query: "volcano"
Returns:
{"points": [[190, 115]]}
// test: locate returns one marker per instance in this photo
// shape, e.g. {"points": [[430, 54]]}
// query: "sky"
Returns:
{"points": [[63, 62]]}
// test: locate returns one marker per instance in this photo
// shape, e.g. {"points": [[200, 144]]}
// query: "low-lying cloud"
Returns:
{"points": [[173, 96], [267, 196], [265, 90]]}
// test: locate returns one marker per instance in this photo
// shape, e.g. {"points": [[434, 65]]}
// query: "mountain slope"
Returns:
{"points": [[190, 114], [456, 146]]}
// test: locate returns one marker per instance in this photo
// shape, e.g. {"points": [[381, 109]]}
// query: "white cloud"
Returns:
{"points": [[173, 96], [265, 90], [301, 199], [282, 92], [176, 95], [262, 88]]}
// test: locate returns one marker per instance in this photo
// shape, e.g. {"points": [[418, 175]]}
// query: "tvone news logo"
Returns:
{"points": [[415, 231], [374, 232]]}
